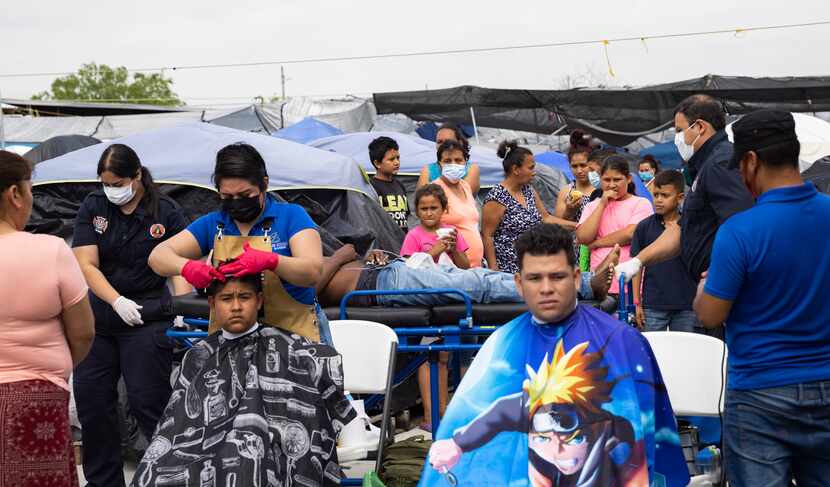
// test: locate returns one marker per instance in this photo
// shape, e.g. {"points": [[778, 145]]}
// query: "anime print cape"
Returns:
{"points": [[591, 367], [260, 410]]}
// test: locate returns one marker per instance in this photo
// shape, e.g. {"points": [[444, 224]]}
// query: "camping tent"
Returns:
{"points": [[341, 200], [306, 130], [814, 136], [819, 174], [58, 146], [185, 154], [666, 153], [556, 160]]}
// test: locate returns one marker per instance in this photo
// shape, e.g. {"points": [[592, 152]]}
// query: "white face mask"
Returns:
{"points": [[453, 172], [120, 196], [593, 178], [686, 150]]}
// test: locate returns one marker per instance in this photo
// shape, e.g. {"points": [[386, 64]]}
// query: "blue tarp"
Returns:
{"points": [[415, 153], [556, 160], [666, 153], [306, 130], [186, 154]]}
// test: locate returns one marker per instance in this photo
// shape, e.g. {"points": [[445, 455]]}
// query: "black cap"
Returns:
{"points": [[760, 129]]}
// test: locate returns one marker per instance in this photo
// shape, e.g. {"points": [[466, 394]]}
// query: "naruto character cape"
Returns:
{"points": [[255, 411], [579, 403]]}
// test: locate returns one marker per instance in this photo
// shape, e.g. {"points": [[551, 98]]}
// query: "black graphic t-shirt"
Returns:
{"points": [[392, 197]]}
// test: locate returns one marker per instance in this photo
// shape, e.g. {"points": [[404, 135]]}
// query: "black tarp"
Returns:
{"points": [[617, 116], [343, 216], [58, 146]]}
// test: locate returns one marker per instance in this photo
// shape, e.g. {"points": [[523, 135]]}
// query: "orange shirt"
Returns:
{"points": [[40, 278], [463, 215]]}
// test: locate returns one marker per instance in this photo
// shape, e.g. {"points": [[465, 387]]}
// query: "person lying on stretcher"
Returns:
{"points": [[344, 272]]}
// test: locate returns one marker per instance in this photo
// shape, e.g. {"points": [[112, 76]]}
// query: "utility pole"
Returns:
{"points": [[2, 128], [282, 80]]}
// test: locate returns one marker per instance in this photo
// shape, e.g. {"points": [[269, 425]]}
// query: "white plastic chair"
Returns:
{"points": [[368, 350], [693, 367]]}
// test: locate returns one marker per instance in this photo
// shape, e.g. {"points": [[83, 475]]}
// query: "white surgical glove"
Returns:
{"points": [[127, 309], [178, 322], [630, 268]]}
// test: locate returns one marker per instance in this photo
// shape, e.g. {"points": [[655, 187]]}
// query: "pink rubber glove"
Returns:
{"points": [[199, 274], [251, 261]]}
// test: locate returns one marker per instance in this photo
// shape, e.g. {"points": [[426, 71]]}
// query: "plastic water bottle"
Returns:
{"points": [[708, 462]]}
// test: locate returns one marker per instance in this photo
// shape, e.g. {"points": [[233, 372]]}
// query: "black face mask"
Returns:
{"points": [[243, 210]]}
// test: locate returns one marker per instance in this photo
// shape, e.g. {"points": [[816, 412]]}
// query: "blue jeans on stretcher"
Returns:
{"points": [[483, 285], [771, 435]]}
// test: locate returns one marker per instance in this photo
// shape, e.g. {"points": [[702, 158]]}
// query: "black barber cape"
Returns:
{"points": [[260, 410]]}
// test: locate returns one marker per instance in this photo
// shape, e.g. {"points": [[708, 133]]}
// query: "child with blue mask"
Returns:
{"points": [[648, 168]]}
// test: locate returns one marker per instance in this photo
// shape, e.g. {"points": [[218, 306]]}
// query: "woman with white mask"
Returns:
{"points": [[471, 173], [115, 231], [462, 211]]}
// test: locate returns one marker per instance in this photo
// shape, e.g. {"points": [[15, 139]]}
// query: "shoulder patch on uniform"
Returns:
{"points": [[157, 230], [99, 223]]}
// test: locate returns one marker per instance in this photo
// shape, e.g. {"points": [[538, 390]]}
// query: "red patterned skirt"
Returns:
{"points": [[35, 438]]}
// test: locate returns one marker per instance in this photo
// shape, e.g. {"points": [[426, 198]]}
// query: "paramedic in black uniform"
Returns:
{"points": [[115, 231]]}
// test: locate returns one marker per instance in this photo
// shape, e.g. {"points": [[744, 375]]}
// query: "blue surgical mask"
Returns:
{"points": [[646, 176], [454, 172], [593, 177]]}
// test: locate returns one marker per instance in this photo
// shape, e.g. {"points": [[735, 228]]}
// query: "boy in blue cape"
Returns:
{"points": [[563, 395]]}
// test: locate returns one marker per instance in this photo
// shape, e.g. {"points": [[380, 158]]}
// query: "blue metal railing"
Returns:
{"points": [[626, 307]]}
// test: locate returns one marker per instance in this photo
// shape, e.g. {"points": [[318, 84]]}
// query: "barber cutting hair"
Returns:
{"points": [[263, 235]]}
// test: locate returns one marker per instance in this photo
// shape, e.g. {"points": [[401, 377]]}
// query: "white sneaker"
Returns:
{"points": [[357, 438]]}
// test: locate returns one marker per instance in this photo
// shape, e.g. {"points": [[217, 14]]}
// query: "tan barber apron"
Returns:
{"points": [[281, 310]]}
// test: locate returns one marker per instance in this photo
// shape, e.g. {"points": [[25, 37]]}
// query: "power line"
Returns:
{"points": [[639, 38]]}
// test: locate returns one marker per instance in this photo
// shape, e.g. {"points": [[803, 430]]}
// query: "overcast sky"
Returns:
{"points": [[60, 36]]}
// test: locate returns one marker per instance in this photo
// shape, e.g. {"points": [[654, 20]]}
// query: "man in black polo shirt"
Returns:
{"points": [[716, 191]]}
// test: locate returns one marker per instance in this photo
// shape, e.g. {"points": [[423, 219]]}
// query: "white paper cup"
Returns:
{"points": [[444, 232]]}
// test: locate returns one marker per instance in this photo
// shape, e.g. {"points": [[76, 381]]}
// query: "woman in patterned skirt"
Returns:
{"points": [[46, 328], [513, 207]]}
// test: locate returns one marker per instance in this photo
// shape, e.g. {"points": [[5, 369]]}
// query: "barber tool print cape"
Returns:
{"points": [[260, 410], [579, 403]]}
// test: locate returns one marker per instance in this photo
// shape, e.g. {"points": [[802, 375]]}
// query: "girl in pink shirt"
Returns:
{"points": [[611, 219], [430, 206]]}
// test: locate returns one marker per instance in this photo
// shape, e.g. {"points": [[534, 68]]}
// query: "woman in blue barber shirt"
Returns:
{"points": [[291, 258]]}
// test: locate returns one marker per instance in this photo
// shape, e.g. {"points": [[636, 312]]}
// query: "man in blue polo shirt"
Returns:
{"points": [[768, 281]]}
